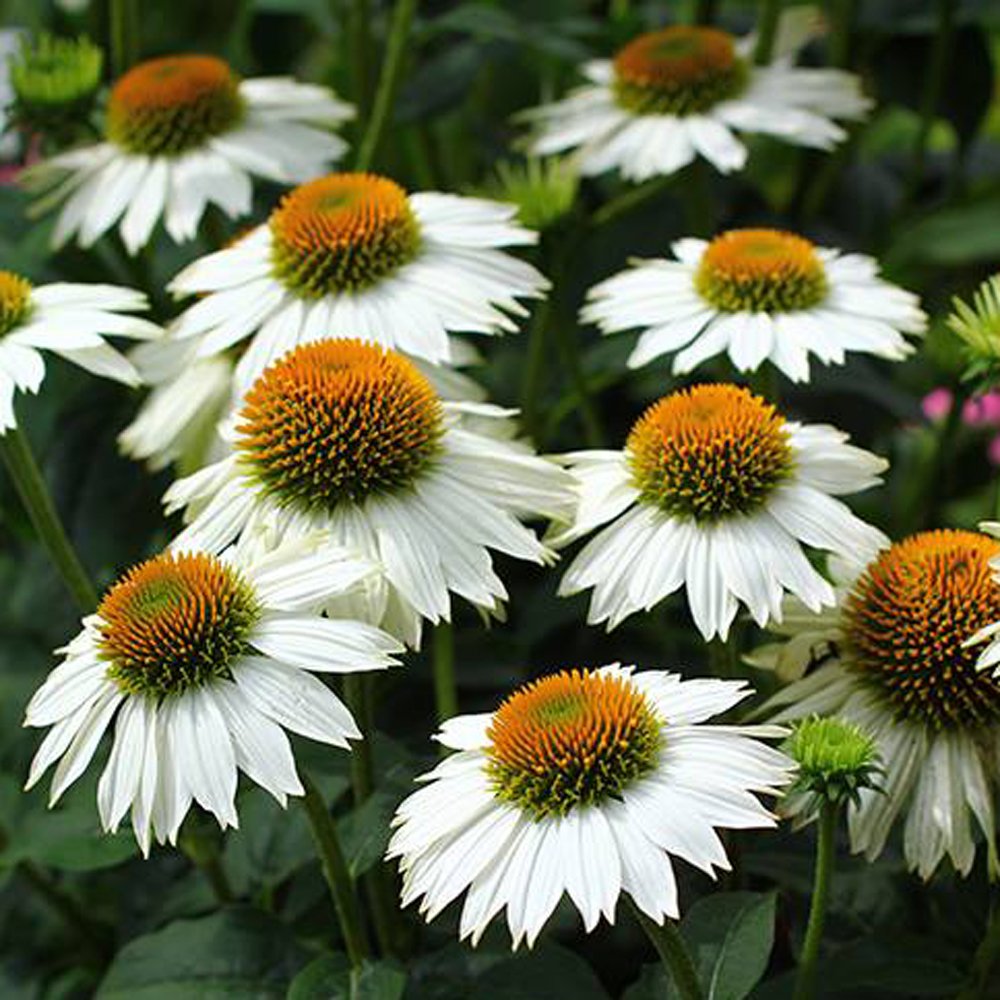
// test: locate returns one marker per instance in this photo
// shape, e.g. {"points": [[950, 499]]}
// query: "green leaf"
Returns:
{"points": [[68, 837], [329, 978], [238, 952], [729, 936], [550, 971]]}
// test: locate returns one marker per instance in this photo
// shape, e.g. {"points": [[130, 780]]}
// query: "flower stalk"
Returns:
{"points": [[767, 31], [336, 873], [673, 952], [445, 687], [805, 984], [123, 18], [388, 83], [37, 500]]}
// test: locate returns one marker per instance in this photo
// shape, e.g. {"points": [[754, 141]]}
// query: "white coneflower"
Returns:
{"points": [[717, 493], [71, 321], [585, 782], [670, 96], [354, 255], [895, 660], [352, 438], [202, 662], [757, 295], [180, 420], [183, 132]]}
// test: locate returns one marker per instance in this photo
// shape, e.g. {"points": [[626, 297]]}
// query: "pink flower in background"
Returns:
{"points": [[936, 405], [978, 413]]}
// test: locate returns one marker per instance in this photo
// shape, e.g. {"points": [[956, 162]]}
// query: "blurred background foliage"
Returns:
{"points": [[918, 186]]}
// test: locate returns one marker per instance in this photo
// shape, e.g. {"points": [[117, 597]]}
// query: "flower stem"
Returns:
{"points": [[123, 22], [359, 39], [445, 688], [630, 199], [673, 953], [767, 30], [388, 81], [805, 983], [931, 97], [37, 500], [844, 13], [335, 872], [705, 11], [378, 890], [203, 852]]}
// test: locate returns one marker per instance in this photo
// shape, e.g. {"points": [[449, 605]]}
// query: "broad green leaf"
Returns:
{"points": [[330, 978], [729, 936], [236, 953], [550, 971]]}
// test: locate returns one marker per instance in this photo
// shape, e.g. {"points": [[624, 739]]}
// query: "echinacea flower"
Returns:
{"points": [[202, 662], [717, 493], [354, 255], [670, 96], [894, 658], [757, 295], [585, 782], [71, 321], [351, 438], [179, 421], [183, 132]]}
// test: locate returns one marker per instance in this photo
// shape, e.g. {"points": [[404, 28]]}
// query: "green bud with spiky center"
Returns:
{"points": [[543, 190], [55, 81], [978, 327], [836, 758]]}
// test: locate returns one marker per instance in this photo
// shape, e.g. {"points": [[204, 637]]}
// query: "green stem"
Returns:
{"points": [[335, 872], [705, 11], [673, 953], [534, 366], [123, 25], [203, 852], [931, 98], [388, 81], [630, 199], [68, 909], [359, 39], [842, 31], [378, 890], [805, 983], [698, 201], [37, 500], [445, 688], [767, 30]]}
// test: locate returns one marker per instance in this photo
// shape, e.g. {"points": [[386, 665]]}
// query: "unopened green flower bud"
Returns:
{"points": [[978, 326], [837, 759], [542, 190], [55, 81]]}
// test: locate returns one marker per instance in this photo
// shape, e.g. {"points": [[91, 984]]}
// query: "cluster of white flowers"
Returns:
{"points": [[341, 483]]}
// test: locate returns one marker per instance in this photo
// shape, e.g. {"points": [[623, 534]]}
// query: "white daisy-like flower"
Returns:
{"points": [[181, 421], [71, 321], [586, 783], [894, 659], [202, 662], [717, 493], [354, 255], [670, 96], [351, 438], [183, 132], [757, 295]]}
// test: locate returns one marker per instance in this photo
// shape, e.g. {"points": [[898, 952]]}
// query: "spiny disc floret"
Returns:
{"points": [[15, 301], [709, 452], [761, 270], [678, 71], [337, 422], [342, 233], [572, 739], [906, 621], [175, 622], [168, 106]]}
